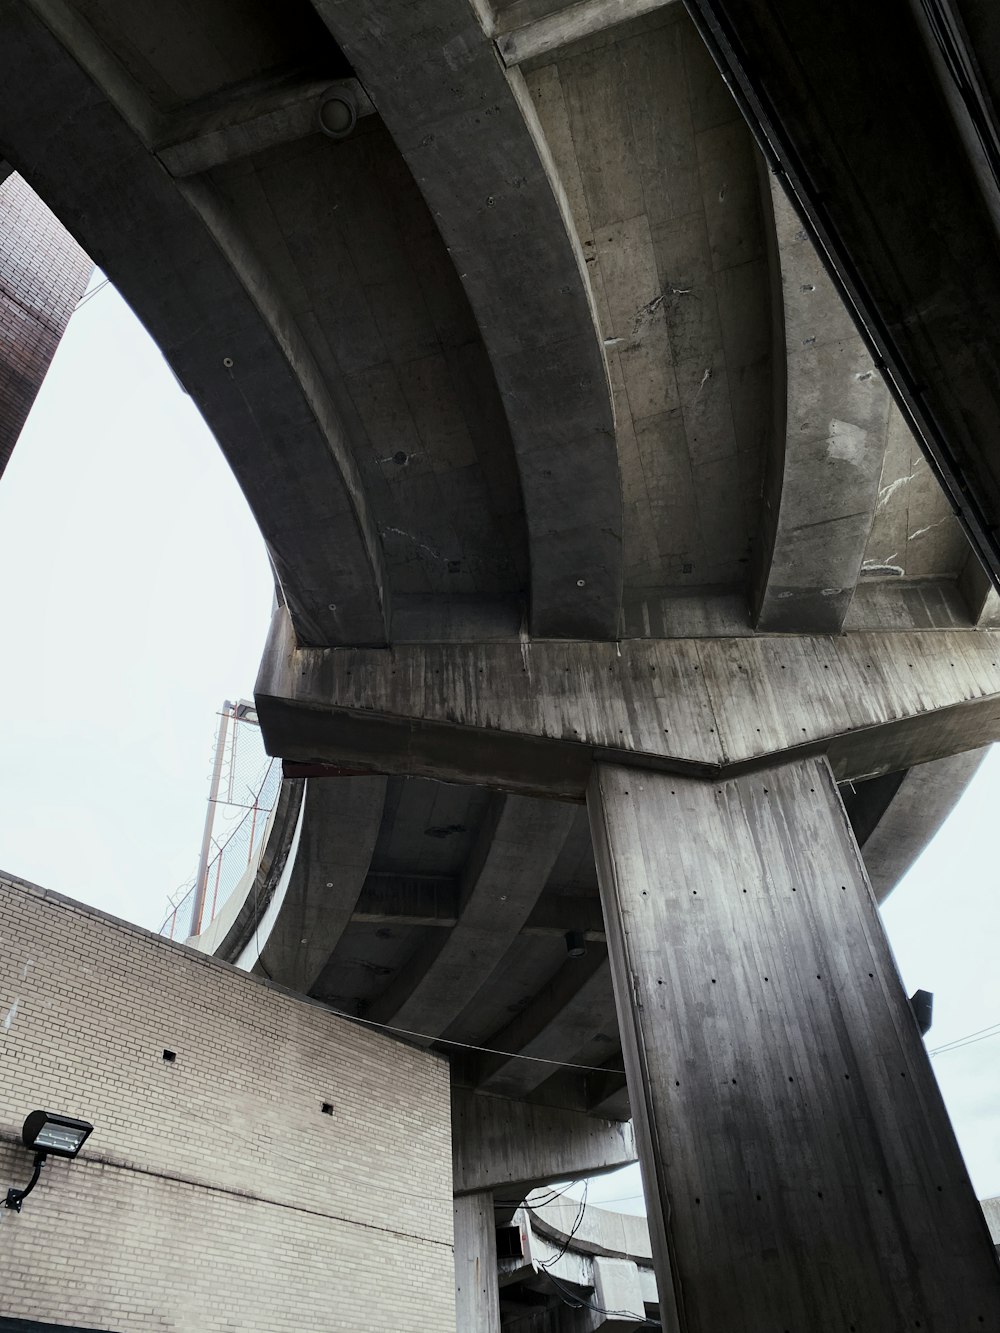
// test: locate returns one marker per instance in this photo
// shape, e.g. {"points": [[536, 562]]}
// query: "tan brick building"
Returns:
{"points": [[285, 1171]]}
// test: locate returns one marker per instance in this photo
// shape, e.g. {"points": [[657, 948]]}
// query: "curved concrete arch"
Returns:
{"points": [[239, 920], [469, 133], [562, 1019], [516, 849], [72, 117], [828, 445], [921, 801], [340, 825]]}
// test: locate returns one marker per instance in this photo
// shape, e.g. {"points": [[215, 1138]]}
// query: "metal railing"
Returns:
{"points": [[244, 790]]}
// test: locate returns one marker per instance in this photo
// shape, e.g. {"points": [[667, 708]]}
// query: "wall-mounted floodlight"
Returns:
{"points": [[50, 1135]]}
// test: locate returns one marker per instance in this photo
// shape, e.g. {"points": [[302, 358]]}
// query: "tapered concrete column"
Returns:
{"points": [[477, 1292], [801, 1172]]}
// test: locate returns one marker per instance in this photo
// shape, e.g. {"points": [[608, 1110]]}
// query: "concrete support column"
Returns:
{"points": [[477, 1292], [801, 1172]]}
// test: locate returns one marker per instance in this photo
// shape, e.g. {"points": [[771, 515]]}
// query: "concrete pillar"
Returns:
{"points": [[801, 1172], [477, 1292]]}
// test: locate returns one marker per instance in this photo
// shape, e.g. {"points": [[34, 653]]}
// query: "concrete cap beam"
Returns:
{"points": [[532, 717]]}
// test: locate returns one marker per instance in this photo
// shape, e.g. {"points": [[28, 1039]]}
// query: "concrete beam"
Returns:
{"points": [[183, 266], [572, 23], [252, 122], [847, 103], [417, 900], [981, 598], [470, 134], [408, 900], [532, 717], [501, 883], [512, 1147], [566, 1014], [828, 447], [796, 1152], [340, 826], [924, 799], [599, 1232]]}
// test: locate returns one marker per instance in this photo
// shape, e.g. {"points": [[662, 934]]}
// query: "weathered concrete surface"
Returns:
{"points": [[519, 42], [532, 717], [319, 270], [924, 799], [783, 1100], [853, 110], [73, 119], [661, 176], [828, 447], [600, 1231], [515, 851], [340, 825], [477, 1307], [565, 1015], [512, 1147], [200, 141], [471, 138]]}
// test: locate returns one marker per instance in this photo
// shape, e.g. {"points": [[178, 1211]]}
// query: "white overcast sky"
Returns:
{"points": [[137, 593]]}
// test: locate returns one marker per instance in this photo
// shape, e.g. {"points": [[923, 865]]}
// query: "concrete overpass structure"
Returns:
{"points": [[619, 593]]}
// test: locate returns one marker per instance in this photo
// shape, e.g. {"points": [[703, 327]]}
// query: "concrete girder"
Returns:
{"points": [[829, 444], [339, 829], [662, 178], [470, 135], [561, 1019], [418, 900], [515, 851], [82, 130], [923, 800], [846, 101], [572, 23], [513, 1147], [251, 122], [532, 717], [982, 599]]}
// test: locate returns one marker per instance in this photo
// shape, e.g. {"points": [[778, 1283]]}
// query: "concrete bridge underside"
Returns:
{"points": [[617, 596]]}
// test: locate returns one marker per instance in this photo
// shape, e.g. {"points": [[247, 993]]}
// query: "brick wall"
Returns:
{"points": [[43, 273], [214, 1193]]}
